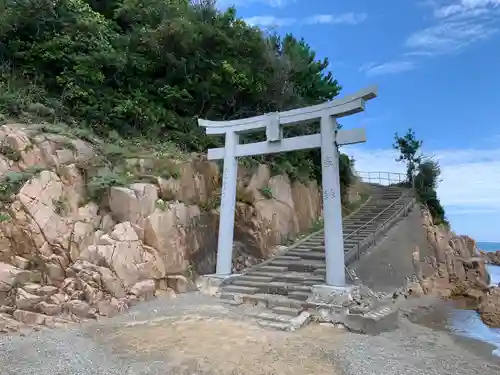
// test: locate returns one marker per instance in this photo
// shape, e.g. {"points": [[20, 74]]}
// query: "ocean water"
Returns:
{"points": [[468, 323], [493, 270]]}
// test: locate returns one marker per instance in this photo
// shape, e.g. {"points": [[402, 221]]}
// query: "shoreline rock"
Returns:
{"points": [[455, 269]]}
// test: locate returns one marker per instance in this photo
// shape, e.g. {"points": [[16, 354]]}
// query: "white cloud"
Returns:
{"points": [[459, 23], [270, 3], [349, 18], [339, 19], [447, 37], [269, 21], [470, 7], [391, 67], [470, 178]]}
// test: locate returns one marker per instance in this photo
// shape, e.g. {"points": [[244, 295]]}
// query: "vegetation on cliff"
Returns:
{"points": [[150, 68], [422, 173]]}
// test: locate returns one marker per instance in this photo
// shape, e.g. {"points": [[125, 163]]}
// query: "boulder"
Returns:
{"points": [[8, 324], [49, 308], [143, 290], [489, 308], [163, 231], [179, 283], [123, 253], [27, 301], [111, 307], [32, 318], [80, 308], [11, 276], [134, 203]]}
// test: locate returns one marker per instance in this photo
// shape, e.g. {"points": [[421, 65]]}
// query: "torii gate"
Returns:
{"points": [[328, 139]]}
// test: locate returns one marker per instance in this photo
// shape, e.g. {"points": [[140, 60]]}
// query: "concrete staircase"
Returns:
{"points": [[281, 286]]}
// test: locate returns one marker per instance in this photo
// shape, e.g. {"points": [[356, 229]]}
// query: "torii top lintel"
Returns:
{"points": [[272, 122]]}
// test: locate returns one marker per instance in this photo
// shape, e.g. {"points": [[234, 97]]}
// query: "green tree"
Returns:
{"points": [[152, 67], [426, 183], [408, 147]]}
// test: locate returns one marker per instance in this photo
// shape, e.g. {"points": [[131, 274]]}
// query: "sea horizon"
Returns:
{"points": [[488, 246]]}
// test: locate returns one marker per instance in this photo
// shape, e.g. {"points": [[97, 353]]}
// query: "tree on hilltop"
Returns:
{"points": [[408, 146]]}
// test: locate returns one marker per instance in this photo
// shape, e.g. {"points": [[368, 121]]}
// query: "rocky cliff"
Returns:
{"points": [[452, 267], [88, 231], [492, 257]]}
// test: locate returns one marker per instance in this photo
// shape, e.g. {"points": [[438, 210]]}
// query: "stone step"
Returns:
{"points": [[286, 257], [320, 271], [310, 247], [275, 287], [271, 300], [290, 277], [276, 325], [314, 255], [252, 277], [289, 311], [312, 243], [301, 266], [301, 296], [269, 268], [263, 274], [232, 288], [231, 297], [269, 316]]}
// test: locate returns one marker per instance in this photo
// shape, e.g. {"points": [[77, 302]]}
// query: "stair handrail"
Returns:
{"points": [[403, 196], [379, 176]]}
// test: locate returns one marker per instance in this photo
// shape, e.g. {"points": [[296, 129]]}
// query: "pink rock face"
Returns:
{"points": [[62, 255], [489, 308]]}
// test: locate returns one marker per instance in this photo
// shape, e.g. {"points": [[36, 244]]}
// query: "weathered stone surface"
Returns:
{"points": [[111, 307], [11, 276], [8, 324], [20, 262], [61, 253], [489, 308], [493, 257], [49, 308], [144, 290], [26, 301], [163, 231], [179, 283], [32, 318], [80, 308], [124, 255], [134, 203]]}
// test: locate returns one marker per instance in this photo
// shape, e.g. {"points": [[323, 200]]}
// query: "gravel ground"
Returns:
{"points": [[194, 334]]}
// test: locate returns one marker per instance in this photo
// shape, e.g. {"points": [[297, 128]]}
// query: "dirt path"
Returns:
{"points": [[194, 334]]}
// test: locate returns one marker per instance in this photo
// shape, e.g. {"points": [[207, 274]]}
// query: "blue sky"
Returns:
{"points": [[437, 66]]}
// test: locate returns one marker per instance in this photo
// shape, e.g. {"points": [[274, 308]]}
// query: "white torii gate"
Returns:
{"points": [[328, 139]]}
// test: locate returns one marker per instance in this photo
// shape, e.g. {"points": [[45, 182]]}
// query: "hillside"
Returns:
{"points": [[150, 68]]}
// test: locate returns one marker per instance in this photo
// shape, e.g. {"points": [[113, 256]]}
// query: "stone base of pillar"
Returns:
{"points": [[210, 284], [355, 307], [335, 295]]}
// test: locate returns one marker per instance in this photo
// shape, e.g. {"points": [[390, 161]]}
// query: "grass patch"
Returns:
{"points": [[59, 206], [9, 152], [12, 182], [98, 186], [267, 192]]}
